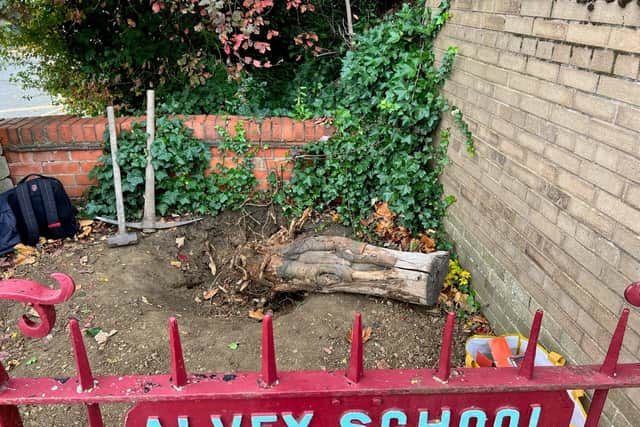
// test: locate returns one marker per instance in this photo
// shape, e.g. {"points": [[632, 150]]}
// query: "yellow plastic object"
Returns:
{"points": [[518, 345]]}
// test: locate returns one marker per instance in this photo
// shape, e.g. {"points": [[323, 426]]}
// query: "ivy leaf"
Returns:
{"points": [[92, 332]]}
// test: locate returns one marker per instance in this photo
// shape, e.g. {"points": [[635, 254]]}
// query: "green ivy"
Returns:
{"points": [[389, 108], [184, 181]]}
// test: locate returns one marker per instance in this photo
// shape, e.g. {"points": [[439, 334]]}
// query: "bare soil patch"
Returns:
{"points": [[134, 290]]}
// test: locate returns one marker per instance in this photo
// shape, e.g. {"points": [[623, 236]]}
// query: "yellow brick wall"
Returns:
{"points": [[548, 213]]}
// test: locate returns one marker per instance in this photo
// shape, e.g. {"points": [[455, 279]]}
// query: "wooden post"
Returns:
{"points": [[117, 180], [349, 22], [149, 215]]}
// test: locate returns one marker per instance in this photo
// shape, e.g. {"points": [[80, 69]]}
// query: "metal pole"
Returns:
{"points": [[149, 215]]}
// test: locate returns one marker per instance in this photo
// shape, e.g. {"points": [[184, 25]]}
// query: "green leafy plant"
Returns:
{"points": [[184, 180], [388, 108], [457, 293], [92, 54]]}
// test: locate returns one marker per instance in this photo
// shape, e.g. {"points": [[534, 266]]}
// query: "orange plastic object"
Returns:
{"points": [[483, 361], [501, 352]]}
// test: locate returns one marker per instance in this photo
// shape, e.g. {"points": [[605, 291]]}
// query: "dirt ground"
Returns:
{"points": [[134, 290]]}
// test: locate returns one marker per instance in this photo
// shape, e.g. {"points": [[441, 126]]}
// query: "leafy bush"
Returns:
{"points": [[184, 181], [195, 54], [388, 108]]}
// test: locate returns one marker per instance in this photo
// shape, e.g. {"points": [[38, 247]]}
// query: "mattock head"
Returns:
{"points": [[632, 294]]}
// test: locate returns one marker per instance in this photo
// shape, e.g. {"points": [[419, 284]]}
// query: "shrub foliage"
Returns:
{"points": [[184, 181], [388, 108]]}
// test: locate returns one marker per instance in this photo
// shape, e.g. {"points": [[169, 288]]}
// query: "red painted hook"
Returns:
{"points": [[42, 298]]}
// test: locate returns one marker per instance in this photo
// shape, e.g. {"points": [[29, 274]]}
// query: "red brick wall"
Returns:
{"points": [[68, 147]]}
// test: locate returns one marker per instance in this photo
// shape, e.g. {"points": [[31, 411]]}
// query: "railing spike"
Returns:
{"points": [[608, 368], [356, 362], [613, 353], [4, 376], [10, 416], [526, 369], [269, 371], [444, 365], [82, 360], [178, 370], [595, 408], [85, 377], [94, 415]]}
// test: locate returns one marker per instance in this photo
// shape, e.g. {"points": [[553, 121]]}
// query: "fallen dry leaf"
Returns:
{"points": [[22, 259], [85, 222], [382, 364], [25, 250], [256, 314], [102, 337], [366, 334], [207, 295], [33, 313], [180, 241], [427, 244], [176, 264], [212, 265], [383, 211], [86, 231]]}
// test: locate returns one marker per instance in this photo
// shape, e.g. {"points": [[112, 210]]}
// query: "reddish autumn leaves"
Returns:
{"points": [[242, 28], [384, 223]]}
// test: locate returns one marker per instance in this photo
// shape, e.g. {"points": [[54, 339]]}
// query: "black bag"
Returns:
{"points": [[9, 236], [42, 208]]}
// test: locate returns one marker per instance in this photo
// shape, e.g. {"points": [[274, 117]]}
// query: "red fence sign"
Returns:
{"points": [[526, 396]]}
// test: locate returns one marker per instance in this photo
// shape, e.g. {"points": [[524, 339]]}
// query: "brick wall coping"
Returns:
{"points": [[85, 133], [69, 147]]}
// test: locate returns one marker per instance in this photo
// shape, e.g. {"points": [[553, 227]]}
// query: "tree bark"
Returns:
{"points": [[337, 264]]}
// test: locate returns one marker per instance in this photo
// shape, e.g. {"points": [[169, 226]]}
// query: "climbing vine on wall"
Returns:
{"points": [[185, 181], [387, 112]]}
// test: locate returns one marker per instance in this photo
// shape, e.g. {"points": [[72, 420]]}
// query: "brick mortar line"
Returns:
{"points": [[555, 41], [545, 39], [623, 178], [88, 146], [548, 18], [471, 237], [523, 234], [546, 119], [536, 192], [474, 241]]}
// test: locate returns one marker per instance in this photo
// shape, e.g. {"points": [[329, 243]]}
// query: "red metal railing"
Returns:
{"points": [[525, 396]]}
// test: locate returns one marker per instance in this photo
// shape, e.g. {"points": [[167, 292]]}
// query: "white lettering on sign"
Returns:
{"points": [[445, 419], [290, 421], [391, 417], [348, 419], [217, 422]]}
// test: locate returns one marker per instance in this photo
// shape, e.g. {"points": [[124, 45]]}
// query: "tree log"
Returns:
{"points": [[337, 264]]}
